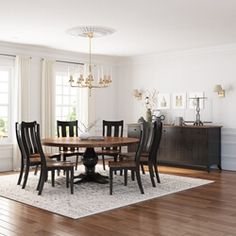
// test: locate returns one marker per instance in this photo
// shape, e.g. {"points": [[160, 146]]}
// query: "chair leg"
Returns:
{"points": [[40, 179], [111, 180], [64, 159], [157, 173], [121, 171], [150, 168], [25, 176], [125, 177], [139, 181], [44, 175], [72, 180], [76, 162], [53, 177], [142, 168], [67, 178], [103, 162], [115, 159], [58, 159], [36, 170], [132, 175], [21, 173]]}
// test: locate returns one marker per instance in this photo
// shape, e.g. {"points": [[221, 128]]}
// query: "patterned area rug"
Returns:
{"points": [[91, 198]]}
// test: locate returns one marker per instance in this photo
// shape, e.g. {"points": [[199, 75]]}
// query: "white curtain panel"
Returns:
{"points": [[21, 100], [91, 111], [83, 106], [48, 98]]}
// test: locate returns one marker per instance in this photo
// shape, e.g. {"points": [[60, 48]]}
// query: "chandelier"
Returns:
{"points": [[88, 78]]}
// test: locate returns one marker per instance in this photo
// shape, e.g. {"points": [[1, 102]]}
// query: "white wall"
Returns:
{"points": [[104, 99], [186, 71]]}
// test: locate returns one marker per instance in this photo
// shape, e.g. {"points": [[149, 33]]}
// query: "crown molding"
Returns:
{"points": [[42, 52], [149, 58]]}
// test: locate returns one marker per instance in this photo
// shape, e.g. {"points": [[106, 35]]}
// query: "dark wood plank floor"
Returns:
{"points": [[207, 210]]}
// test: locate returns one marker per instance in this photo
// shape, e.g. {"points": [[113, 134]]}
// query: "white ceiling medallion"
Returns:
{"points": [[83, 31]]}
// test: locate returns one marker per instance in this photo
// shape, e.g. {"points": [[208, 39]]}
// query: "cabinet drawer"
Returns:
{"points": [[134, 131]]}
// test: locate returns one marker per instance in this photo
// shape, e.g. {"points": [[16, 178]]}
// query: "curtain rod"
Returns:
{"points": [[71, 62], [7, 55]]}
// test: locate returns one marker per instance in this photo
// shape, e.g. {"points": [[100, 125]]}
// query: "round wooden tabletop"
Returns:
{"points": [[77, 142]]}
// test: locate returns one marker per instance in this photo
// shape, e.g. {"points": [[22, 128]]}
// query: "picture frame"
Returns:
{"points": [[163, 101], [179, 100]]}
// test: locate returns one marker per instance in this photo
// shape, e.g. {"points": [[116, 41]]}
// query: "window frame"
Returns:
{"points": [[63, 69], [5, 66]]}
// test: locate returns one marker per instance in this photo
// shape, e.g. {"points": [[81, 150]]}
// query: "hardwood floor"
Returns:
{"points": [[206, 210]]}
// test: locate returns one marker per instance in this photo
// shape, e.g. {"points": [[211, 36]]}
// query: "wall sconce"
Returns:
{"points": [[221, 92], [138, 94]]}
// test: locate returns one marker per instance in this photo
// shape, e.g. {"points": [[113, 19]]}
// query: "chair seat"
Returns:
{"points": [[127, 154], [131, 156], [61, 164], [71, 153], [122, 164], [35, 158], [107, 152]]}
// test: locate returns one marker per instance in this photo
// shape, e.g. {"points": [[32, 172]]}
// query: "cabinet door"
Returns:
{"points": [[214, 146], [200, 149], [195, 146], [168, 145]]}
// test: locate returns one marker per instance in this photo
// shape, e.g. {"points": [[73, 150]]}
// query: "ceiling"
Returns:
{"points": [[142, 26]]}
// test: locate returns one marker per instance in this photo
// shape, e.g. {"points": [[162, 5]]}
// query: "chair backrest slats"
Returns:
{"points": [[112, 129], [157, 129], [141, 144], [30, 133], [28, 137], [67, 129], [19, 141], [39, 145]]}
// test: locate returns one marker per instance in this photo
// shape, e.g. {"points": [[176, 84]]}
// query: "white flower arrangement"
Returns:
{"points": [[150, 99]]}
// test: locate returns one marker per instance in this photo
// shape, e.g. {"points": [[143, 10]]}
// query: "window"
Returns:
{"points": [[70, 102], [6, 74], [66, 98]]}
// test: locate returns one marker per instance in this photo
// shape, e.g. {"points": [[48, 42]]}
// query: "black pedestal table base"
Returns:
{"points": [[90, 160]]}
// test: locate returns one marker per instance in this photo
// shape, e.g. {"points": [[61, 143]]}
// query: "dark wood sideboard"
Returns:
{"points": [[187, 146]]}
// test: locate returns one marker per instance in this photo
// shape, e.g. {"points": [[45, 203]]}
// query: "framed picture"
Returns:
{"points": [[192, 101], [179, 100], [163, 101]]}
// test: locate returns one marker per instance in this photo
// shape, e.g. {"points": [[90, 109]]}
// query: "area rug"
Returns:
{"points": [[91, 198]]}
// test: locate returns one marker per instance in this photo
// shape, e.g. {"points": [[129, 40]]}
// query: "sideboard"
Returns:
{"points": [[187, 146]]}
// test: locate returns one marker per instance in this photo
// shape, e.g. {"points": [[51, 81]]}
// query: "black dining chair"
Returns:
{"points": [[30, 156], [149, 156], [132, 165], [68, 129], [31, 139], [111, 129]]}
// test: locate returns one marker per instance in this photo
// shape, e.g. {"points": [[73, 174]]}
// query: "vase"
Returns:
{"points": [[84, 135], [149, 115]]}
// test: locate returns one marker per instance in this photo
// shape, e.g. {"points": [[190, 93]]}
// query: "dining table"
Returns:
{"points": [[90, 158]]}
